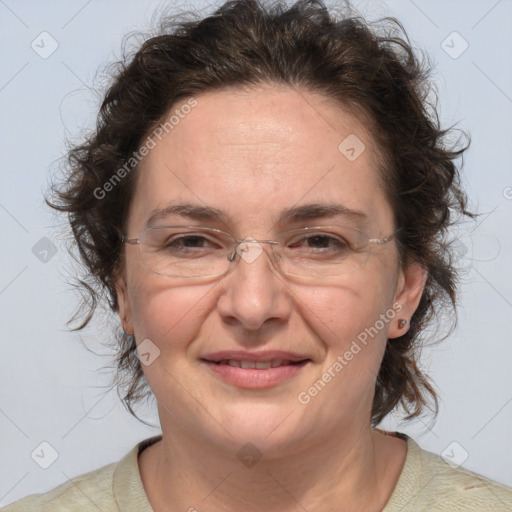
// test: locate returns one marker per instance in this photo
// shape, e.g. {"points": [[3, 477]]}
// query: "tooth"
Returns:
{"points": [[263, 365], [233, 362], [276, 363], [248, 364]]}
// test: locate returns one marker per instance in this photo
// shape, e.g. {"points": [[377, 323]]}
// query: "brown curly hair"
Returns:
{"points": [[370, 69]]}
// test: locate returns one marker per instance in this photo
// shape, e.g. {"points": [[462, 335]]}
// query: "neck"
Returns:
{"points": [[355, 472]]}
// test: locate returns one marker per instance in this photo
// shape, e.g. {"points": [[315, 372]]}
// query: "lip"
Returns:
{"points": [[244, 355], [253, 378]]}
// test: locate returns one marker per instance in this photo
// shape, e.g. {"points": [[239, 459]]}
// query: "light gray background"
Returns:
{"points": [[50, 385]]}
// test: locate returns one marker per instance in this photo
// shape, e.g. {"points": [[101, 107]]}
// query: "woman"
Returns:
{"points": [[264, 202]]}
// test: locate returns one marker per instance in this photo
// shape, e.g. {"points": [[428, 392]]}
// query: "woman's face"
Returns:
{"points": [[253, 155]]}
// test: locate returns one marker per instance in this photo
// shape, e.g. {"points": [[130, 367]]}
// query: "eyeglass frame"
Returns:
{"points": [[238, 241]]}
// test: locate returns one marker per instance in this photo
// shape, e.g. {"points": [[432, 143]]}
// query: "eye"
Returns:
{"points": [[319, 241], [189, 242]]}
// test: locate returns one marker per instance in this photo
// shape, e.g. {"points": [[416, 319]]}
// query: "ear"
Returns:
{"points": [[410, 286], [125, 311]]}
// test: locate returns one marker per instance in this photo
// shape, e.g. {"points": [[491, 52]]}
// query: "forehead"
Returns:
{"points": [[255, 152]]}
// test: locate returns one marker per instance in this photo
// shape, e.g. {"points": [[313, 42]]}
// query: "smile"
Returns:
{"points": [[259, 365], [255, 374]]}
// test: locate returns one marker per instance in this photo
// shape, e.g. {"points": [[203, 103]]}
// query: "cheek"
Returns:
{"points": [[339, 313], [167, 314]]}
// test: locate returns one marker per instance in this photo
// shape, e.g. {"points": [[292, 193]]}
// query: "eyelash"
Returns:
{"points": [[307, 238]]}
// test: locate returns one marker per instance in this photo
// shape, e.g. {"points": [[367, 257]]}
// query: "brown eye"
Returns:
{"points": [[319, 241], [188, 242]]}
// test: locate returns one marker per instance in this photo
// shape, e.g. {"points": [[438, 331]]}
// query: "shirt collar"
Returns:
{"points": [[129, 492]]}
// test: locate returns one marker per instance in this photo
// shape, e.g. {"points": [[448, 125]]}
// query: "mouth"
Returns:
{"points": [[257, 365], [255, 370]]}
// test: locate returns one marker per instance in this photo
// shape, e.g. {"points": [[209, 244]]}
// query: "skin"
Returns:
{"points": [[252, 153]]}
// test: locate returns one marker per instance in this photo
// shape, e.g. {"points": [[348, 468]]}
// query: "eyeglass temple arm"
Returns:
{"points": [[132, 241], [384, 240]]}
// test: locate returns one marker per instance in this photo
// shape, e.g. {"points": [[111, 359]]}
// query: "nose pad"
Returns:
{"points": [[249, 250]]}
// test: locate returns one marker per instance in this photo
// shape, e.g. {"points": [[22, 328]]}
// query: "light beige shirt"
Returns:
{"points": [[427, 483]]}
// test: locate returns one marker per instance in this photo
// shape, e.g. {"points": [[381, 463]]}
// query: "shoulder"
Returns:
{"points": [[112, 488], [91, 490], [430, 483]]}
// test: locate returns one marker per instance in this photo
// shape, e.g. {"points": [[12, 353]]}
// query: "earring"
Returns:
{"points": [[402, 323]]}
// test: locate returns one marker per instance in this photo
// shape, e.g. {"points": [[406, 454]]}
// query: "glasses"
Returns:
{"points": [[195, 252]]}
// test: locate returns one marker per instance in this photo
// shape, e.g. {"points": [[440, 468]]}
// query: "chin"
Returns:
{"points": [[269, 427]]}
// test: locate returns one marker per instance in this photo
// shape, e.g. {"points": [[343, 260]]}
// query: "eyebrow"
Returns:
{"points": [[190, 210], [295, 214], [321, 210]]}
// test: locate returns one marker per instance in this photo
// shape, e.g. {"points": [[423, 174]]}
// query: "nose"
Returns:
{"points": [[254, 294]]}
